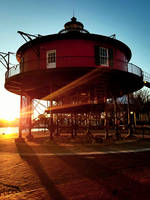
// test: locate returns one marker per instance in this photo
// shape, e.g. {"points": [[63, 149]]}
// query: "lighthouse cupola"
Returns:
{"points": [[73, 26]]}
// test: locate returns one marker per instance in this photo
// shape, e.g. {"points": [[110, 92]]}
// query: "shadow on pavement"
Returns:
{"points": [[117, 175], [33, 161]]}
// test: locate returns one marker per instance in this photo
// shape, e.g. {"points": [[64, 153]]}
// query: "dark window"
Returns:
{"points": [[111, 60], [22, 64]]}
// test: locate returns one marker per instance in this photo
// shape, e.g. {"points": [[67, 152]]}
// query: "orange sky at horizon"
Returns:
{"points": [[9, 105]]}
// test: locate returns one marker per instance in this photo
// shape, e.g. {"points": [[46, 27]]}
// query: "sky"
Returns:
{"points": [[128, 19]]}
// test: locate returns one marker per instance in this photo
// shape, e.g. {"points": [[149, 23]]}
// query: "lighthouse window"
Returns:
{"points": [[103, 56], [51, 59]]}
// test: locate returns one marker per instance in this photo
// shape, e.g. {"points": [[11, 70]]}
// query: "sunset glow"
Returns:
{"points": [[9, 108], [9, 116]]}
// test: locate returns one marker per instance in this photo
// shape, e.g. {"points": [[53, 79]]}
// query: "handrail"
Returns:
{"points": [[135, 70], [68, 60], [12, 71], [146, 77]]}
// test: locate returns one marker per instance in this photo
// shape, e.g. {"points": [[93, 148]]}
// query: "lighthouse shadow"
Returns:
{"points": [[27, 154]]}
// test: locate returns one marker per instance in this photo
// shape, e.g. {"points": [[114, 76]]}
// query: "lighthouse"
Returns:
{"points": [[74, 68]]}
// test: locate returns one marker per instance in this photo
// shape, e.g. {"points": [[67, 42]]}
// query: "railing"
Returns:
{"points": [[79, 61], [135, 70], [13, 71], [146, 77]]}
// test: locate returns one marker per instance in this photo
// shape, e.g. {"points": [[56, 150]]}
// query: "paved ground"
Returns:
{"points": [[71, 171]]}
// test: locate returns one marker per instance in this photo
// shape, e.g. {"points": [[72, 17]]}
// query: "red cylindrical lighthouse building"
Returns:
{"points": [[49, 63]]}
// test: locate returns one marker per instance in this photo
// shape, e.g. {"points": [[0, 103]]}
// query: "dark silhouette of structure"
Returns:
{"points": [[76, 71]]}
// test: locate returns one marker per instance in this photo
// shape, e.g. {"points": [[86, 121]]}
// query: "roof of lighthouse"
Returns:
{"points": [[73, 30]]}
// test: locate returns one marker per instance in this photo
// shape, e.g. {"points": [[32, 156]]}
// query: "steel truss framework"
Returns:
{"points": [[82, 112]]}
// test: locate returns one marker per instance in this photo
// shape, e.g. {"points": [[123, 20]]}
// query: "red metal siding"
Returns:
{"points": [[120, 60], [70, 53], [30, 60]]}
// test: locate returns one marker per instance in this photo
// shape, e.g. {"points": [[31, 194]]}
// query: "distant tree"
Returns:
{"points": [[42, 119], [41, 116], [140, 102]]}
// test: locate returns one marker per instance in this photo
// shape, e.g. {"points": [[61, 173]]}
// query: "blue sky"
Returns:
{"points": [[128, 19]]}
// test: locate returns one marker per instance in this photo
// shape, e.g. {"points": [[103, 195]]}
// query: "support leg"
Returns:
{"points": [[20, 138], [130, 129], [117, 134], [20, 120], [106, 119], [29, 111]]}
